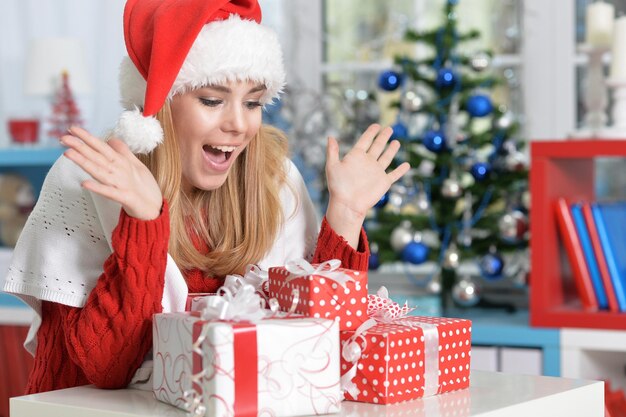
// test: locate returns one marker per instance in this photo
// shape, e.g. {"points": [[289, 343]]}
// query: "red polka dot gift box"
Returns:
{"points": [[322, 291], [405, 358]]}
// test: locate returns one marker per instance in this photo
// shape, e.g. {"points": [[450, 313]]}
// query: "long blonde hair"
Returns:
{"points": [[238, 221]]}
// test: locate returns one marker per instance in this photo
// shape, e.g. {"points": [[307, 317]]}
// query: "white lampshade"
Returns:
{"points": [[46, 60]]}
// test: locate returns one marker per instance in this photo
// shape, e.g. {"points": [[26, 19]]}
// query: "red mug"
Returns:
{"points": [[24, 130]]}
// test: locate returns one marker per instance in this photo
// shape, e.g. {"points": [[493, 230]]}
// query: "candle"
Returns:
{"points": [[599, 19], [618, 51]]}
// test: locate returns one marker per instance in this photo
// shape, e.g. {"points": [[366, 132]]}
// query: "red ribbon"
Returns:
{"points": [[246, 366]]}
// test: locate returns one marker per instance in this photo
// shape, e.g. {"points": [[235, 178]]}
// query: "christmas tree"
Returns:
{"points": [[65, 112], [465, 200]]}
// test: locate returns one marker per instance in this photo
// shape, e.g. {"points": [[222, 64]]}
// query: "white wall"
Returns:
{"points": [[97, 22]]}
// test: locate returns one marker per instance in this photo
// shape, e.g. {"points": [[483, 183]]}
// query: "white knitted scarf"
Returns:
{"points": [[67, 238]]}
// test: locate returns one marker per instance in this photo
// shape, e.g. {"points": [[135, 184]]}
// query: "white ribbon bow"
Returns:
{"points": [[243, 305], [254, 276], [328, 269]]}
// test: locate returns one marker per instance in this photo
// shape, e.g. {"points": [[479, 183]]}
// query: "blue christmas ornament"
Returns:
{"points": [[400, 131], [383, 200], [491, 266], [480, 170], [374, 261], [479, 105], [389, 80], [446, 78], [434, 141], [453, 2], [415, 253]]}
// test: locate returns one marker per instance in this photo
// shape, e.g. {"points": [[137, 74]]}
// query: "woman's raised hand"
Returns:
{"points": [[358, 181], [116, 173]]}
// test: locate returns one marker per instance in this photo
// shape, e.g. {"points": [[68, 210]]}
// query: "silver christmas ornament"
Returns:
{"points": [[422, 203], [411, 101], [397, 198], [451, 257], [434, 285], [513, 226], [504, 121], [466, 292], [451, 188], [515, 161], [480, 61], [401, 236]]}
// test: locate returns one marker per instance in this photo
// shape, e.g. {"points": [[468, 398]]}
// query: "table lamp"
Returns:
{"points": [[57, 68]]}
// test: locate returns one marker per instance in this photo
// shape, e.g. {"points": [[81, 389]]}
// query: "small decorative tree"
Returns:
{"points": [[65, 112]]}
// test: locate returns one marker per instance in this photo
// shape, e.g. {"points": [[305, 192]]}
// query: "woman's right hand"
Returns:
{"points": [[116, 173]]}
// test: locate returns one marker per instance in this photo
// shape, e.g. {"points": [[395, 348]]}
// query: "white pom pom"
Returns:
{"points": [[141, 134]]}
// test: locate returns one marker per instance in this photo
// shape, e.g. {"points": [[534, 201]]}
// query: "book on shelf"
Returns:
{"points": [[590, 257], [610, 220], [600, 258], [575, 255]]}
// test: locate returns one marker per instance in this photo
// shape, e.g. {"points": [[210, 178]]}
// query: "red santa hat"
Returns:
{"points": [[179, 45]]}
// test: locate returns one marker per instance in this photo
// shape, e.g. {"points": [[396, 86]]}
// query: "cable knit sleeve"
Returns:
{"points": [[332, 246], [109, 337]]}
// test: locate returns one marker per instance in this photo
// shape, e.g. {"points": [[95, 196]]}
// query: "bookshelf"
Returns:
{"points": [[562, 169]]}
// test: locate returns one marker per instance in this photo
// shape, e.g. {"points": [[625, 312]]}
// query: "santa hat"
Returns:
{"points": [[179, 45]]}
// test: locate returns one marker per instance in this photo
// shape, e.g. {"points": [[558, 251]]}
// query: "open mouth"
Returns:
{"points": [[219, 154]]}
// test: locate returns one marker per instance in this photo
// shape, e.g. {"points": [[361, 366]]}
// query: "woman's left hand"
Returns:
{"points": [[358, 181]]}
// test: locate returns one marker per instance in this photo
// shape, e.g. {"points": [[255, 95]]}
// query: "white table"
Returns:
{"points": [[491, 394]]}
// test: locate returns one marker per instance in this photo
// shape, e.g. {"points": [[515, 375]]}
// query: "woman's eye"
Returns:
{"points": [[210, 102], [253, 104]]}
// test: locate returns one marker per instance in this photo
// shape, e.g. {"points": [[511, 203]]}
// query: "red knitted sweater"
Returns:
{"points": [[105, 342]]}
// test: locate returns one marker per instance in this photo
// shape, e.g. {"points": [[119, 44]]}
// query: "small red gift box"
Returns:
{"points": [[324, 291], [406, 358]]}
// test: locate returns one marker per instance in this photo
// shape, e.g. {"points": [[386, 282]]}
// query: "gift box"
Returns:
{"points": [[406, 358], [276, 366], [323, 290], [194, 299]]}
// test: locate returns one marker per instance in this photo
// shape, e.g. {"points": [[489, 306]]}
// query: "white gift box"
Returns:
{"points": [[296, 363]]}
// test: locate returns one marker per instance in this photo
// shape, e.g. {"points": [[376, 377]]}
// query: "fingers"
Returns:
{"points": [[94, 143], [83, 149], [121, 148], [390, 153], [397, 173], [99, 172], [366, 139], [378, 146], [332, 151]]}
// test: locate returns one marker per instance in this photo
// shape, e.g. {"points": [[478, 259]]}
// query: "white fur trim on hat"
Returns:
{"points": [[233, 50], [141, 134]]}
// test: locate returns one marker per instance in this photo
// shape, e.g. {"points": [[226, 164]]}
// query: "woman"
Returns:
{"points": [[191, 188]]}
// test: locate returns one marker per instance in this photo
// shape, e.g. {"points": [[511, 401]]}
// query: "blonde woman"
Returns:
{"points": [[191, 187]]}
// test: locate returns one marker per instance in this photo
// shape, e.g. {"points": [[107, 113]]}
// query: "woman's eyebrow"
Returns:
{"points": [[225, 89], [259, 87]]}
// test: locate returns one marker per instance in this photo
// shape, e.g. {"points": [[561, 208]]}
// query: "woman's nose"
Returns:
{"points": [[235, 120]]}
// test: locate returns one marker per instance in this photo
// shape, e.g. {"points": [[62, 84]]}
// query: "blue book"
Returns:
{"points": [[611, 224], [590, 257]]}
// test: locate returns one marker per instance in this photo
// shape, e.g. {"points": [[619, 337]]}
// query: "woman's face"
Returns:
{"points": [[214, 125]]}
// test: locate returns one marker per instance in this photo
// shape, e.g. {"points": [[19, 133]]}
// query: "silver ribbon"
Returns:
{"points": [[245, 304], [351, 352], [431, 354]]}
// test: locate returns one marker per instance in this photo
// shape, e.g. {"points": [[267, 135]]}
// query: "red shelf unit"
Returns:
{"points": [[562, 169]]}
